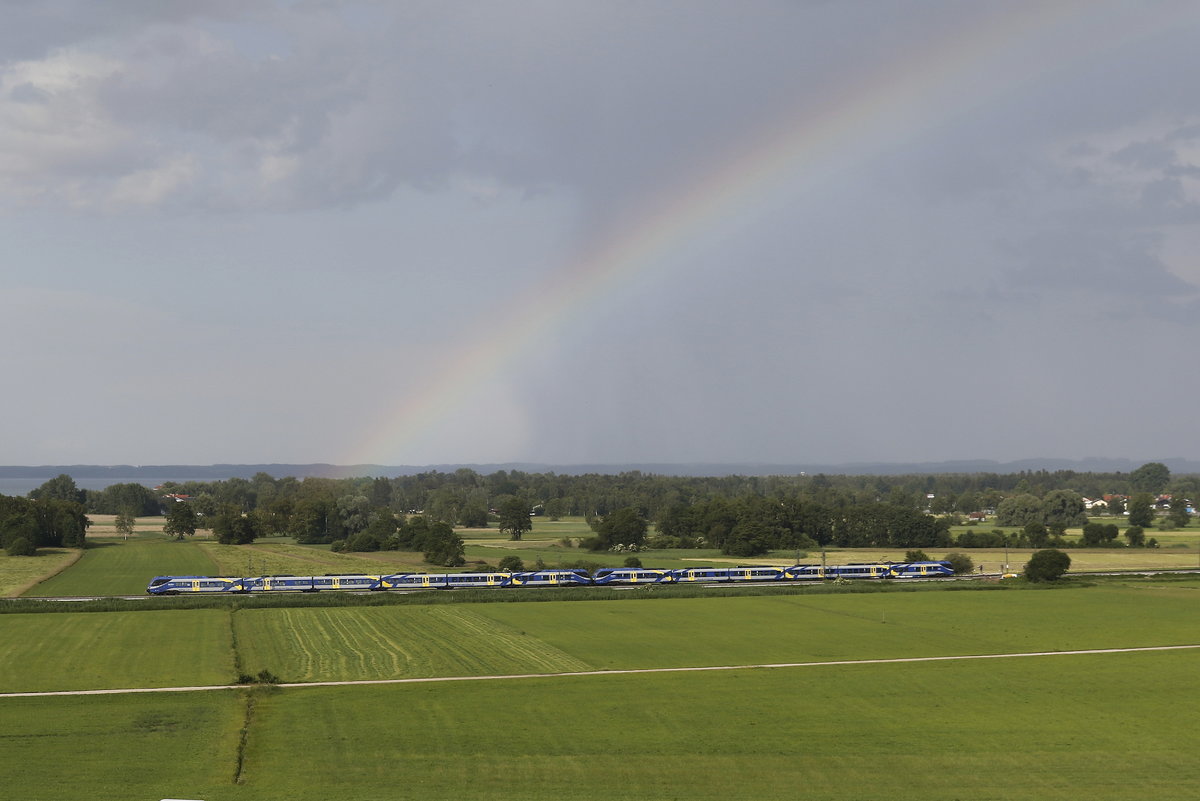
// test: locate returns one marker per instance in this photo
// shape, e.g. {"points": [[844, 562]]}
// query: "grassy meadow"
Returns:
{"points": [[118, 567], [1001, 729], [87, 651], [19, 574]]}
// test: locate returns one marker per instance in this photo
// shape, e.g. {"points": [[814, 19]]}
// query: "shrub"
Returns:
{"points": [[512, 564], [960, 563], [20, 547], [633, 561], [916, 556], [1047, 565]]}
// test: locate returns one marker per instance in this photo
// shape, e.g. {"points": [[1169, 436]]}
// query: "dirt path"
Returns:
{"points": [[518, 676]]}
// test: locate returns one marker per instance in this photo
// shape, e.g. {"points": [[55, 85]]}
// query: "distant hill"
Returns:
{"points": [[215, 472]]}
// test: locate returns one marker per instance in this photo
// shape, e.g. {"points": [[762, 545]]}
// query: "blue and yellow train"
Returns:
{"points": [[607, 576]]}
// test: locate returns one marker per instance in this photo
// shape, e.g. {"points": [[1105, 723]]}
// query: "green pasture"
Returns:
{"points": [[1047, 728], [84, 651], [387, 643], [121, 747], [799, 628], [117, 567], [19, 573]]}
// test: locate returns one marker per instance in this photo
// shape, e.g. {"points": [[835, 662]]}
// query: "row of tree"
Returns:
{"points": [[27, 524], [464, 497]]}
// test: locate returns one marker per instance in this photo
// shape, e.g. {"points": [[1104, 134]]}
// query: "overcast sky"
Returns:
{"points": [[547, 230]]}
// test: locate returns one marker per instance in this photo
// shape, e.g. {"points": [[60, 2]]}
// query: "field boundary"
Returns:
{"points": [[620, 672]]}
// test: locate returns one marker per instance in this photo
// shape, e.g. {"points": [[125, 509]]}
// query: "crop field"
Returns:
{"points": [[396, 642], [276, 558], [106, 526], [85, 651], [116, 567]]}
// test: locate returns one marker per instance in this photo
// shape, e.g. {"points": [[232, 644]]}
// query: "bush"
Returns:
{"points": [[916, 556], [960, 563], [20, 547], [1047, 565], [633, 561], [512, 564]]}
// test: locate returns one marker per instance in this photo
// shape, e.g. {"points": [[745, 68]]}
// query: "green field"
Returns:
{"points": [[96, 650], [19, 573], [1029, 728], [116, 567], [119, 748], [1111, 726], [84, 651], [386, 643]]}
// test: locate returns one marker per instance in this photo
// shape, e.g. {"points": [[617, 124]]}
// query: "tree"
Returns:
{"points": [[624, 526], [1064, 508], [1020, 510], [60, 488], [1047, 565], [232, 527], [1098, 534], [514, 517], [1179, 514], [1150, 477], [124, 523], [916, 556], [512, 564], [181, 520], [960, 563], [1136, 536], [1141, 510], [1036, 534], [442, 546]]}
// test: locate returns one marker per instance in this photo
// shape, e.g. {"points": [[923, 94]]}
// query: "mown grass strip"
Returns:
{"points": [[18, 574], [69, 652], [116, 567], [304, 645]]}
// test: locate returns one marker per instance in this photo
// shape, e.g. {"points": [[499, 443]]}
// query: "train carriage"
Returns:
{"points": [[340, 582], [693, 574], [550, 578], [632, 575], [921, 569]]}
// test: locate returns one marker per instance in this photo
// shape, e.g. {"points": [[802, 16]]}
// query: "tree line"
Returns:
{"points": [[740, 515]]}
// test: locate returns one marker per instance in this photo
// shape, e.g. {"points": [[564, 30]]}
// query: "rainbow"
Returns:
{"points": [[894, 104]]}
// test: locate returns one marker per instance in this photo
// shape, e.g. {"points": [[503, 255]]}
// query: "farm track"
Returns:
{"points": [[621, 672]]}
